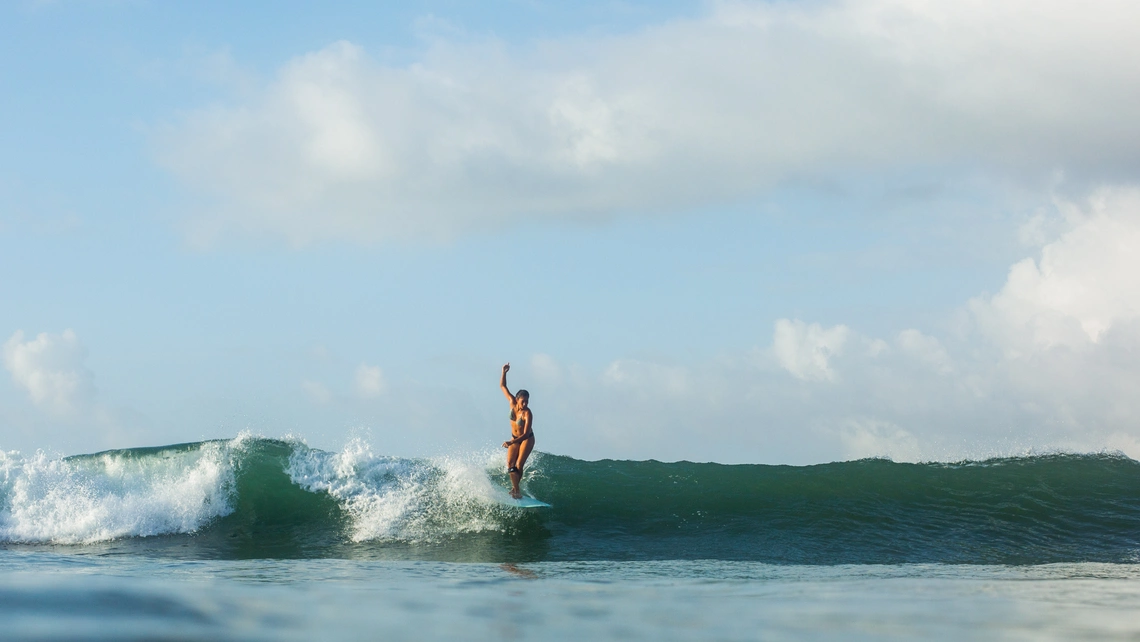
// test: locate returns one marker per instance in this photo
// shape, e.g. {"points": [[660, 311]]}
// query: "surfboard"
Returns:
{"points": [[523, 502]]}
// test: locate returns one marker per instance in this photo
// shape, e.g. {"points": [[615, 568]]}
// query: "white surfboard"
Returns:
{"points": [[522, 502]]}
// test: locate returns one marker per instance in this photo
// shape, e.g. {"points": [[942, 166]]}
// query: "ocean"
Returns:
{"points": [[255, 538]]}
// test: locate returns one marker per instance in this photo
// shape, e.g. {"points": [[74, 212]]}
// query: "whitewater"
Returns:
{"points": [[257, 538]]}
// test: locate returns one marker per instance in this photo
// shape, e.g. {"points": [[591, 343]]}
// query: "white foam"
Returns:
{"points": [[403, 499], [46, 498]]}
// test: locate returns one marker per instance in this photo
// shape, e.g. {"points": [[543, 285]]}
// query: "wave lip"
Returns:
{"points": [[410, 500], [115, 494], [252, 493]]}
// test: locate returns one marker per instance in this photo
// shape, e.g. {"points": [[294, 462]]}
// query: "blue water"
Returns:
{"points": [[264, 539], [47, 595]]}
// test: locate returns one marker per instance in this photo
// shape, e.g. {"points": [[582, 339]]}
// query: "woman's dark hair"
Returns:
{"points": [[520, 393]]}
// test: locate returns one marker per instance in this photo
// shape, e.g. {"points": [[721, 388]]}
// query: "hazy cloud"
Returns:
{"points": [[477, 134], [635, 374], [546, 368], [50, 369], [317, 392], [370, 381], [872, 438], [926, 349]]}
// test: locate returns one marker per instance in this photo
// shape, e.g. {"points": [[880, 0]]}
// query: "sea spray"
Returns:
{"points": [[412, 500], [115, 494]]}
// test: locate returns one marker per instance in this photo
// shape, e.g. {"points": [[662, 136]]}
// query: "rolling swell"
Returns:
{"points": [[252, 497], [1031, 510]]}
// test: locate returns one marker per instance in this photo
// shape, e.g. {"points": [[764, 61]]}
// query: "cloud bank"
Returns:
{"points": [[479, 134], [1050, 361]]}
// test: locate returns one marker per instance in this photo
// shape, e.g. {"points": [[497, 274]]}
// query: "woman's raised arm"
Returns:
{"points": [[503, 384]]}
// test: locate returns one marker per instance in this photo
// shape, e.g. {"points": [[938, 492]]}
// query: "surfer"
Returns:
{"points": [[522, 433]]}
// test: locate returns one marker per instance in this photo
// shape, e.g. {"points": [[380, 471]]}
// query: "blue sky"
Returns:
{"points": [[741, 232]]}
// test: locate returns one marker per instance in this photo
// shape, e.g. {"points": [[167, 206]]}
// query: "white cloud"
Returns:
{"points": [[370, 382], [805, 350], [50, 369], [475, 135], [1085, 283]]}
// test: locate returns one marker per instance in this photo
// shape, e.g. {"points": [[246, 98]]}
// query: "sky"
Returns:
{"points": [[745, 232]]}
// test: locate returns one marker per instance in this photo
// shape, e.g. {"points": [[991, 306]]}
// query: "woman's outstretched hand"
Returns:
{"points": [[506, 367]]}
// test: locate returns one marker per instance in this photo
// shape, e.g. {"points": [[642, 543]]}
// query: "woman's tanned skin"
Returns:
{"points": [[522, 441]]}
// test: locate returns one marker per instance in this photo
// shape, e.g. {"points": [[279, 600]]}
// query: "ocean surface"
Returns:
{"points": [[255, 538]]}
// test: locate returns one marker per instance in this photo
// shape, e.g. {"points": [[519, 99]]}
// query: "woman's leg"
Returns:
{"points": [[520, 460], [512, 455], [524, 452]]}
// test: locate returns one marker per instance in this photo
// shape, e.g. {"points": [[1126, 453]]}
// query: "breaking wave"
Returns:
{"points": [[255, 497]]}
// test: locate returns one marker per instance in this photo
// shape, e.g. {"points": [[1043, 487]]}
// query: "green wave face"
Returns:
{"points": [[1008, 511], [253, 497]]}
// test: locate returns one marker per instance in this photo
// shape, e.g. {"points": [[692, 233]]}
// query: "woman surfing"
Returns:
{"points": [[522, 433]]}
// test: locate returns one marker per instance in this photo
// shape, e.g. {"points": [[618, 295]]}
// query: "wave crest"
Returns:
{"points": [[414, 500], [254, 497], [115, 494]]}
